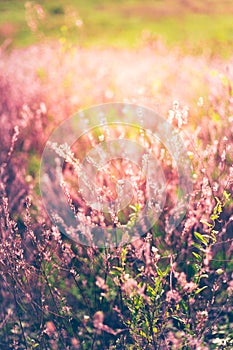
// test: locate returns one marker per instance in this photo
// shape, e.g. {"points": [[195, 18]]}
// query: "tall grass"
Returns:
{"points": [[161, 291]]}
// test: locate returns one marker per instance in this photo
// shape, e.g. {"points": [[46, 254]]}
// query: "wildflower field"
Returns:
{"points": [[167, 285]]}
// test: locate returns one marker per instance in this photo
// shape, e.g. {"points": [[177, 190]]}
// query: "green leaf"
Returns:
{"points": [[151, 292], [200, 289], [201, 238], [197, 256], [143, 334], [199, 247], [183, 305], [206, 223], [117, 268], [226, 195], [214, 217], [217, 200], [160, 272], [213, 237], [178, 319]]}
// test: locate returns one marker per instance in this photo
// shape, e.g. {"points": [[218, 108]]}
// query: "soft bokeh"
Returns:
{"points": [[165, 290]]}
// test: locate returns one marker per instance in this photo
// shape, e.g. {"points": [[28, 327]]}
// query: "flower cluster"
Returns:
{"points": [[162, 290]]}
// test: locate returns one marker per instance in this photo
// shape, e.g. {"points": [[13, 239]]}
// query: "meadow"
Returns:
{"points": [[165, 288]]}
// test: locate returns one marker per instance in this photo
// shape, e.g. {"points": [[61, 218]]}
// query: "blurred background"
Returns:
{"points": [[195, 25], [59, 57]]}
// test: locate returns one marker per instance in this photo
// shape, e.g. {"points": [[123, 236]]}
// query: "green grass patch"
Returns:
{"points": [[194, 26]]}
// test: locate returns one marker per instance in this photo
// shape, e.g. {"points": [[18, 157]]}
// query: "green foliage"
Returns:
{"points": [[114, 23]]}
